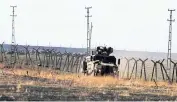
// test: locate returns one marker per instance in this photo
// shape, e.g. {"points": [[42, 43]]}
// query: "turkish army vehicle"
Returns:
{"points": [[100, 62]]}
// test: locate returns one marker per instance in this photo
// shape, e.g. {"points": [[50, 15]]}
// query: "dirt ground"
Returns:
{"points": [[49, 85]]}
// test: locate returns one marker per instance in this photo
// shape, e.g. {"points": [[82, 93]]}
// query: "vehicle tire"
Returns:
{"points": [[91, 73], [102, 71], [95, 69]]}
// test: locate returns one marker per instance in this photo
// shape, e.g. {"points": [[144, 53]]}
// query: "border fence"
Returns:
{"points": [[147, 69], [41, 57], [130, 68]]}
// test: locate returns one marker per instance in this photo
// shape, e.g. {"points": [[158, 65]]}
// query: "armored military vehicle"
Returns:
{"points": [[101, 62]]}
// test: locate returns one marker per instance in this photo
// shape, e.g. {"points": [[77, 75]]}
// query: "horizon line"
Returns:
{"points": [[92, 48]]}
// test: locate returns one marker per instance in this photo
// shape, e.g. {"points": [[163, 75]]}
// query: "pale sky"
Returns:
{"points": [[123, 24]]}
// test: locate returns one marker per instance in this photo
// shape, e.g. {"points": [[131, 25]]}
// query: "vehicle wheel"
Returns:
{"points": [[95, 69], [102, 71], [115, 69], [85, 72], [96, 73], [91, 73]]}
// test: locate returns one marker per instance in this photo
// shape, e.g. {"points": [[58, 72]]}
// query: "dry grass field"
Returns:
{"points": [[47, 84]]}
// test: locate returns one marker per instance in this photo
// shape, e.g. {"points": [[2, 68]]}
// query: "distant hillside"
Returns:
{"points": [[117, 53], [143, 54], [61, 49]]}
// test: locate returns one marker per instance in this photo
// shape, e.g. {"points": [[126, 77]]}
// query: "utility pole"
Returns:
{"points": [[88, 38], [49, 46], [13, 42], [169, 43]]}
